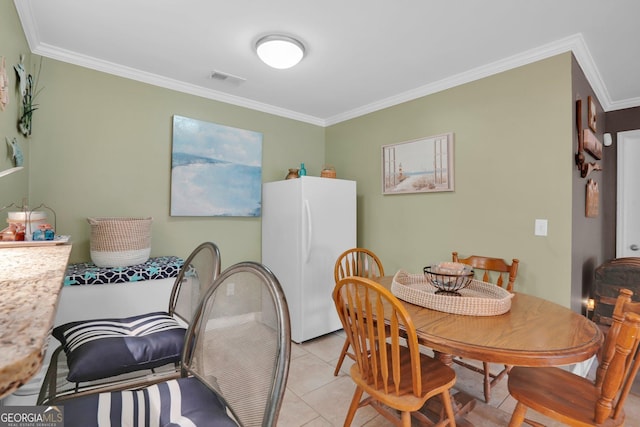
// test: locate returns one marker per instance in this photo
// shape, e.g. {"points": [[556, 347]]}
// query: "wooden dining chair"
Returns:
{"points": [[355, 262], [576, 401], [503, 274], [394, 377], [623, 305]]}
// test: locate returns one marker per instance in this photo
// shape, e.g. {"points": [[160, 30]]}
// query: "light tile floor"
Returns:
{"points": [[315, 397]]}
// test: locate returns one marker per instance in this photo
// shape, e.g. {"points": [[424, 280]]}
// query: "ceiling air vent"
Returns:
{"points": [[226, 77]]}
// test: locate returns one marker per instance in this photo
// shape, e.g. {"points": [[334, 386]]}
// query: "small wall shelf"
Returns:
{"points": [[10, 171]]}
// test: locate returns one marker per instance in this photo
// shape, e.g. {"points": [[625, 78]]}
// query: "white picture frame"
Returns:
{"points": [[423, 165]]}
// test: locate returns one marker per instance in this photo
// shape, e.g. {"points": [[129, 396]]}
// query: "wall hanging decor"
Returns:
{"points": [[580, 153], [422, 165], [4, 85], [29, 91], [592, 199], [216, 170], [592, 113], [16, 152], [587, 142], [592, 144]]}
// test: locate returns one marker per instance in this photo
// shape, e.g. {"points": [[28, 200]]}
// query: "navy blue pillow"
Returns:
{"points": [[103, 348], [166, 404]]}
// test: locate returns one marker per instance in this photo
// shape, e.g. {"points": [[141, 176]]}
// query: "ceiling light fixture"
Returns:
{"points": [[279, 51]]}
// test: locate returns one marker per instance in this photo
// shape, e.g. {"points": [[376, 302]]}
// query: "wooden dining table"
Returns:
{"points": [[534, 332]]}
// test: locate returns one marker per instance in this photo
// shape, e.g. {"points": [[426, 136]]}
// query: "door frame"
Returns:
{"points": [[623, 138]]}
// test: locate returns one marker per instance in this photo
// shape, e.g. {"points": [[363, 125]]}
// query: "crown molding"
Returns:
{"points": [[168, 83], [574, 43]]}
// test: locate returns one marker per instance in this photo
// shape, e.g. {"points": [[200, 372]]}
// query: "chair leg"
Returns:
{"points": [[448, 408], [498, 377], [406, 418], [490, 379], [343, 353], [518, 415], [355, 404]]}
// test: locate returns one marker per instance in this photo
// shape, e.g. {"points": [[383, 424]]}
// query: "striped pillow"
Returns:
{"points": [[103, 348], [183, 402]]}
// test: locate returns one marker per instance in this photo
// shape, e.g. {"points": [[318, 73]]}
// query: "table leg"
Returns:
{"points": [[445, 358], [462, 402]]}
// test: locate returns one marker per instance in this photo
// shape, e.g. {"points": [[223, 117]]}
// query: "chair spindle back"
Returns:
{"points": [[362, 306], [358, 262], [488, 267], [622, 369], [623, 305]]}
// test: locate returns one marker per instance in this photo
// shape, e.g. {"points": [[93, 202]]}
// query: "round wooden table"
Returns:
{"points": [[535, 332]]}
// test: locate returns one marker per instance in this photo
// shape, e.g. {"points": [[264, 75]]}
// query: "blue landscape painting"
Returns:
{"points": [[216, 170]]}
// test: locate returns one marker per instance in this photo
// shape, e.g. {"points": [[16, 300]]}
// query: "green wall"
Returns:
{"points": [[101, 147], [105, 150], [513, 153], [13, 187]]}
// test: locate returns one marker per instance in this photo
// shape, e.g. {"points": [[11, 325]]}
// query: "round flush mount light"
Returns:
{"points": [[279, 51]]}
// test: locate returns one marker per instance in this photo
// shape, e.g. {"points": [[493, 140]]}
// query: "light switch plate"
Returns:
{"points": [[541, 227]]}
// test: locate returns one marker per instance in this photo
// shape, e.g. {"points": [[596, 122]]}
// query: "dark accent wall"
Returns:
{"points": [[622, 120], [587, 234]]}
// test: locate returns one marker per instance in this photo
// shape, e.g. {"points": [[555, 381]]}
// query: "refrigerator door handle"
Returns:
{"points": [[309, 231]]}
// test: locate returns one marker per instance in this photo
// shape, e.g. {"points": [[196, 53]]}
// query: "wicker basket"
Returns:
{"points": [[120, 242], [328, 172], [477, 299]]}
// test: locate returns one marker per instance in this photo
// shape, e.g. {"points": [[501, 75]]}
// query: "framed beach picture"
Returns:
{"points": [[216, 170], [422, 165]]}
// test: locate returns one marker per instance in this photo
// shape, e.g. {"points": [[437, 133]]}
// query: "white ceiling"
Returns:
{"points": [[362, 55]]}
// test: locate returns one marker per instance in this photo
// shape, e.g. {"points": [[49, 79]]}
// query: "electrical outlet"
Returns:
{"points": [[541, 227], [231, 289]]}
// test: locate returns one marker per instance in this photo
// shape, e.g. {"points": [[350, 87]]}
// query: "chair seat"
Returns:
{"points": [[185, 402], [558, 393], [574, 400], [102, 348], [436, 377]]}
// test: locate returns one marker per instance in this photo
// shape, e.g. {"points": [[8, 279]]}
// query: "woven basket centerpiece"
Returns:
{"points": [[476, 299], [120, 242]]}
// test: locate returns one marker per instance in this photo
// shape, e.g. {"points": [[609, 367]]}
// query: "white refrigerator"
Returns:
{"points": [[306, 223]]}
